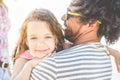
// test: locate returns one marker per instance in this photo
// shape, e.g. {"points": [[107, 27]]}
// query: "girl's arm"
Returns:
{"points": [[116, 55], [20, 62], [25, 71]]}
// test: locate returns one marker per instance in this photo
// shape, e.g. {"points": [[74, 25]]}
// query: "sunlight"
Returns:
{"points": [[18, 10]]}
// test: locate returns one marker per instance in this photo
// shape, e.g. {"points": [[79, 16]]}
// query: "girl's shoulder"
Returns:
{"points": [[20, 61], [26, 54]]}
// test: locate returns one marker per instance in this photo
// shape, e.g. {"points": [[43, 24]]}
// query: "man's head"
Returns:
{"points": [[83, 14]]}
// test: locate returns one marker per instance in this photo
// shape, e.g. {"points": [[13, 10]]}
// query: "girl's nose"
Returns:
{"points": [[41, 42]]}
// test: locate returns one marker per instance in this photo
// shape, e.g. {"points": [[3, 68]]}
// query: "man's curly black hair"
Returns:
{"points": [[106, 11]]}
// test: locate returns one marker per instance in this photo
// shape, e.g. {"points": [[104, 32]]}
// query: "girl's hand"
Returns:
{"points": [[116, 55], [33, 62], [117, 61]]}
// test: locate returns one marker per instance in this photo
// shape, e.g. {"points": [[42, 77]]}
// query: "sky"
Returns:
{"points": [[18, 10]]}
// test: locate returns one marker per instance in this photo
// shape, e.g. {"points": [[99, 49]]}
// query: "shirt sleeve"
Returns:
{"points": [[44, 70], [26, 55]]}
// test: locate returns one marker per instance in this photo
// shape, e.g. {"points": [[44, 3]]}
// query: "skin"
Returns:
{"points": [[87, 32], [41, 43], [40, 40], [116, 55]]}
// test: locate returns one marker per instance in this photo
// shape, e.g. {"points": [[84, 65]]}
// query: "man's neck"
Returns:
{"points": [[87, 39]]}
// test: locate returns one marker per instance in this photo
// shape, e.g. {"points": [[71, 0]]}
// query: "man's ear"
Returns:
{"points": [[94, 26]]}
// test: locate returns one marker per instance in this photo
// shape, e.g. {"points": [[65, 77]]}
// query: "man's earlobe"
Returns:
{"points": [[94, 26]]}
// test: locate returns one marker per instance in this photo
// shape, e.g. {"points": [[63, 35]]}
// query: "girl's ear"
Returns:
{"points": [[56, 41], [26, 41]]}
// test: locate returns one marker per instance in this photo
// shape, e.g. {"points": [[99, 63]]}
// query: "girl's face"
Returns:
{"points": [[40, 40]]}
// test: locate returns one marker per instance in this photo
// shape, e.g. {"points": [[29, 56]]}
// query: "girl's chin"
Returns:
{"points": [[41, 56]]}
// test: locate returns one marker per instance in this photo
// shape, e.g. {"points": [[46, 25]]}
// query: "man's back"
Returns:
{"points": [[81, 62]]}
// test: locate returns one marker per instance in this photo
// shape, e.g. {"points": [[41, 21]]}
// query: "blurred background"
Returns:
{"points": [[18, 10]]}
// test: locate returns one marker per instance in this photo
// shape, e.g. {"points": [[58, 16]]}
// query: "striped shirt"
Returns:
{"points": [[82, 62]]}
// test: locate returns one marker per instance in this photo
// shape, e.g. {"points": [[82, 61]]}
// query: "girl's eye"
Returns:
{"points": [[33, 38], [48, 37]]}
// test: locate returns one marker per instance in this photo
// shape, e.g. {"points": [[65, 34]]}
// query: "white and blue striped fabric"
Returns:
{"points": [[82, 62]]}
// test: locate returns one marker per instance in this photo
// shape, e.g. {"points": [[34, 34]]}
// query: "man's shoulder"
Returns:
{"points": [[67, 51], [52, 59]]}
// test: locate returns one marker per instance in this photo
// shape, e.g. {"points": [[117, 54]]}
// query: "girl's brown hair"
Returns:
{"points": [[39, 15]]}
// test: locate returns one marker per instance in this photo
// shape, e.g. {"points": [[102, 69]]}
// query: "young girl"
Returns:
{"points": [[41, 36]]}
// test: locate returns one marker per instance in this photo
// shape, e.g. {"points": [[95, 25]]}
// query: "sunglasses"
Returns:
{"points": [[70, 14]]}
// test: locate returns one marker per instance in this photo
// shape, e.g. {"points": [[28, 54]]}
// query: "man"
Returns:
{"points": [[86, 22]]}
